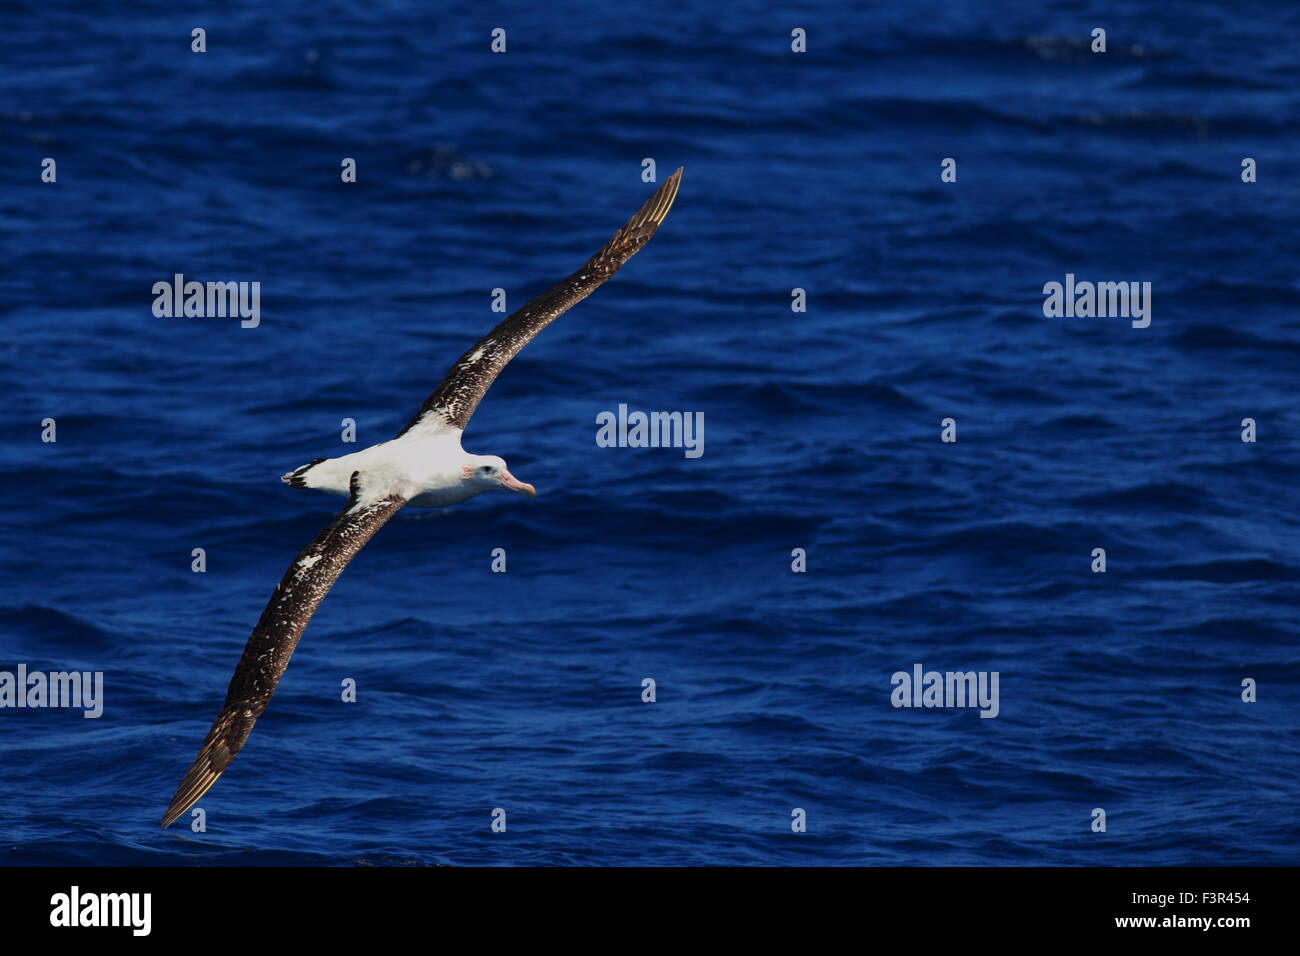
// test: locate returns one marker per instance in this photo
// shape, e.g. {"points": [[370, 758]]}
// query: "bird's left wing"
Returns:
{"points": [[276, 635], [454, 400]]}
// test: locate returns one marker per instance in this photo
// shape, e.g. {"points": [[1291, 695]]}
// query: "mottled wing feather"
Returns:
{"points": [[454, 400], [273, 640]]}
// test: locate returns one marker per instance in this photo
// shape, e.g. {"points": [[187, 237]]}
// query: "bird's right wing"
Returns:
{"points": [[267, 652], [455, 399]]}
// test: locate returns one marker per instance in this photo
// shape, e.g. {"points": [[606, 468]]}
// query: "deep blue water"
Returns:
{"points": [[522, 690]]}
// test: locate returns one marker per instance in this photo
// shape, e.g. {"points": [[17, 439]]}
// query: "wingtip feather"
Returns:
{"points": [[649, 217], [198, 781], [662, 201], [219, 748]]}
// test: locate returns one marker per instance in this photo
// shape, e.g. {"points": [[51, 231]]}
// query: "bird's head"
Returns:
{"points": [[488, 472]]}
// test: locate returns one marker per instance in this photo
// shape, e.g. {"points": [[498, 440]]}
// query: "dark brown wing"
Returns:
{"points": [[454, 401], [269, 648]]}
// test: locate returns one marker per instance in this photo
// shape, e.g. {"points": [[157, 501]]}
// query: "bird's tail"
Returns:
{"points": [[298, 477]]}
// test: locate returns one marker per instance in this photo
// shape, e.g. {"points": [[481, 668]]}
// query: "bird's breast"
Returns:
{"points": [[442, 497]]}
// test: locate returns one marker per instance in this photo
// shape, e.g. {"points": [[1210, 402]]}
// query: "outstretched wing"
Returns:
{"points": [[269, 648], [454, 401]]}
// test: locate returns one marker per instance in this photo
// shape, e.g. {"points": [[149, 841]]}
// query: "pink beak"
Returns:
{"points": [[511, 483]]}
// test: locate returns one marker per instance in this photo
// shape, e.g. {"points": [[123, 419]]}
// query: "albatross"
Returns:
{"points": [[424, 466]]}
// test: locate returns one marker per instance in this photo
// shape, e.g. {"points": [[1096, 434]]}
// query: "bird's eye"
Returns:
{"points": [[486, 469]]}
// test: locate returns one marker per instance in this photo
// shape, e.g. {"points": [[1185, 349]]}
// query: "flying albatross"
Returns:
{"points": [[423, 466]]}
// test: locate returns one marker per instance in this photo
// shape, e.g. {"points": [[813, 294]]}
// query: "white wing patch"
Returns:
{"points": [[478, 352]]}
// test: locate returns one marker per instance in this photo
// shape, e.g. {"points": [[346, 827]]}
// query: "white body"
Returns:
{"points": [[429, 468]]}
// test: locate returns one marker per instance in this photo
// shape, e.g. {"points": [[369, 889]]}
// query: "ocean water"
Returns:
{"points": [[522, 690]]}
